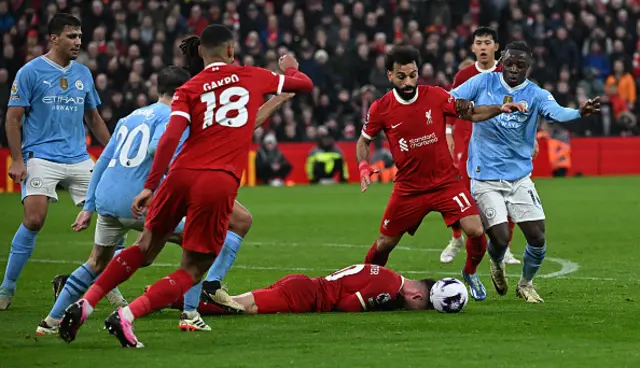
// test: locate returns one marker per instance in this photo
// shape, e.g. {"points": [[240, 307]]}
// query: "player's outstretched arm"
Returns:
{"points": [[97, 126], [293, 80], [486, 112], [362, 155], [268, 108], [18, 170]]}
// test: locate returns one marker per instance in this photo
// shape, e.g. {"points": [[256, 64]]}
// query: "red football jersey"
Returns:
{"points": [[462, 128], [416, 133], [220, 105], [358, 288]]}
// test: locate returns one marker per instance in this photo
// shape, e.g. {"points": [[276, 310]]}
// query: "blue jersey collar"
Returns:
{"points": [[513, 89]]}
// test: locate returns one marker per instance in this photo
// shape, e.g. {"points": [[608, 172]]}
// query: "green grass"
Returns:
{"points": [[590, 316]]}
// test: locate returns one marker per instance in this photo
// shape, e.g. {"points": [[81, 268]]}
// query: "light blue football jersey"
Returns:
{"points": [[125, 163], [55, 99], [501, 147]]}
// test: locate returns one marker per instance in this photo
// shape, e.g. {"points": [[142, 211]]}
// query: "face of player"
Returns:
{"points": [[68, 42], [404, 79], [415, 297], [485, 48], [515, 64]]}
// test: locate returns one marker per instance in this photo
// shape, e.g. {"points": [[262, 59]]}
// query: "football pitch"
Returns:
{"points": [[590, 282]]}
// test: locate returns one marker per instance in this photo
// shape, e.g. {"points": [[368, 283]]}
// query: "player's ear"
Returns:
{"points": [[390, 76], [496, 46], [200, 51]]}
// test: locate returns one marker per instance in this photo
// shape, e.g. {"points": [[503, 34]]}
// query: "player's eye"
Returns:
{"points": [[401, 76]]}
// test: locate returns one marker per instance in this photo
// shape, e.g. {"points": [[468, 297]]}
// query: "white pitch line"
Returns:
{"points": [[566, 267]]}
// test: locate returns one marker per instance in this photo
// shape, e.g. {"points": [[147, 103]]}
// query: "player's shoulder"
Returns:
{"points": [[466, 73], [80, 68], [34, 66]]}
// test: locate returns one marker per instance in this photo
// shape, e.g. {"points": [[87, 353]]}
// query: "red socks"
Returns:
{"points": [[476, 248], [118, 271], [376, 257], [456, 230], [162, 293]]}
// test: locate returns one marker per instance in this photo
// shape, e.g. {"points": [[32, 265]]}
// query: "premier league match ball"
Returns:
{"points": [[449, 295]]}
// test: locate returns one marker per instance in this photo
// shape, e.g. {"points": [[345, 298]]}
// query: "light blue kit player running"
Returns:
{"points": [[119, 175], [500, 165], [50, 98]]}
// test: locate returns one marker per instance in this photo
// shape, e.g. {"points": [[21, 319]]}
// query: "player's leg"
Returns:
{"points": [[208, 214], [456, 205], [109, 235], [489, 196], [457, 240], [239, 225], [509, 258], [166, 211], [38, 188], [526, 209], [290, 294], [403, 214]]}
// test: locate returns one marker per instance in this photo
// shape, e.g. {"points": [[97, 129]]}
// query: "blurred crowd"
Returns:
{"points": [[582, 49]]}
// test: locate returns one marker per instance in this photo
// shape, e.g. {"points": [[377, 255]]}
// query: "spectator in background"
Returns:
{"points": [[624, 82], [6, 19], [326, 161], [271, 166]]}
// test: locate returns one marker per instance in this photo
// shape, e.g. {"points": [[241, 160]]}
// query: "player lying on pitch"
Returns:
{"points": [[357, 288]]}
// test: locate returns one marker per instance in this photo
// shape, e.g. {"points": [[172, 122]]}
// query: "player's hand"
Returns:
{"points": [[141, 203], [536, 150], [464, 107], [17, 171], [365, 175], [450, 143], [82, 221], [589, 107], [513, 107], [287, 61]]}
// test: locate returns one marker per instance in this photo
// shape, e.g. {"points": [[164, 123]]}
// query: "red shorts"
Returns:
{"points": [[405, 212], [205, 197], [290, 294]]}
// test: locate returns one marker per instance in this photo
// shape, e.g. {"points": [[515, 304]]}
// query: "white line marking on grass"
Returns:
{"points": [[567, 267]]}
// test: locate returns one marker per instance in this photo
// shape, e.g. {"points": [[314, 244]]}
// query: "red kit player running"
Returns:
{"points": [[357, 288], [413, 118], [219, 105]]}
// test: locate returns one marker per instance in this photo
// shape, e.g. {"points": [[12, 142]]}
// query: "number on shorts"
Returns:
{"points": [[462, 201], [351, 270], [226, 105], [125, 141]]}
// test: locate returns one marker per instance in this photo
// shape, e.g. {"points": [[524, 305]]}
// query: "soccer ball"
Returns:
{"points": [[448, 295]]}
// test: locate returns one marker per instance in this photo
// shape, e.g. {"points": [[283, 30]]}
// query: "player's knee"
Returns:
{"points": [[474, 231], [100, 258], [241, 222], [34, 220], [537, 240]]}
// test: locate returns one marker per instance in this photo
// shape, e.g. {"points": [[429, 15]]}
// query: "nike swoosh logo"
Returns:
{"points": [[397, 125]]}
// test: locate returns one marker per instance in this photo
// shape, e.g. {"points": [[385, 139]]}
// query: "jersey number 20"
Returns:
{"points": [[226, 105], [125, 141]]}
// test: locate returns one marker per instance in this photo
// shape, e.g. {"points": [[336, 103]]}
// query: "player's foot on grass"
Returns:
{"points": [[45, 330], [499, 277], [452, 249], [122, 329], [476, 289], [527, 291], [58, 284], [6, 297], [510, 259], [116, 300], [213, 292], [192, 321], [73, 318]]}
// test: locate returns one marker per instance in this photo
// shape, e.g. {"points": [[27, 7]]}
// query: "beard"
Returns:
{"points": [[406, 93]]}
